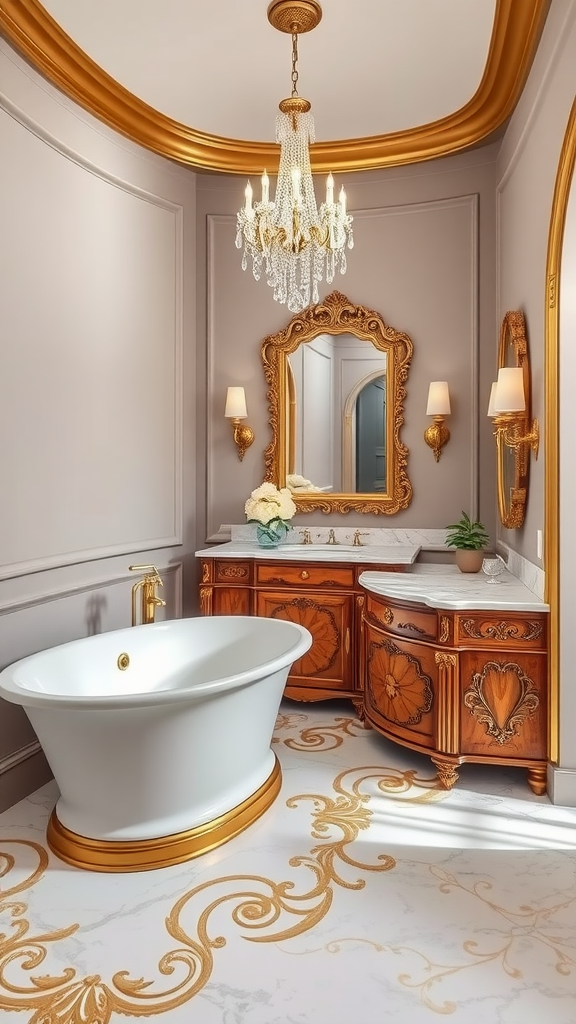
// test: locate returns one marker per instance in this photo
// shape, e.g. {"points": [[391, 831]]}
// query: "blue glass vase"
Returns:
{"points": [[271, 535]]}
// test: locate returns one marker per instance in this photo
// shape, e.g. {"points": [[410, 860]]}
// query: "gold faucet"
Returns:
{"points": [[332, 538], [150, 600], [306, 536], [357, 542]]}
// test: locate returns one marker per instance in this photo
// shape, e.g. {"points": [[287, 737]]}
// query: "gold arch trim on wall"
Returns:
{"points": [[517, 27], [338, 315], [564, 178]]}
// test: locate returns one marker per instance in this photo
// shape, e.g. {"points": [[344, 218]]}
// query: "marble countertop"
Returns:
{"points": [[381, 554], [446, 587]]}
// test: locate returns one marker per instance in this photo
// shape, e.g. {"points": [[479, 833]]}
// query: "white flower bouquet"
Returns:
{"points": [[271, 509]]}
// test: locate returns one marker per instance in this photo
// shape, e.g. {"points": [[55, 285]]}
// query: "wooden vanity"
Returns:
{"points": [[460, 683], [320, 592], [434, 659]]}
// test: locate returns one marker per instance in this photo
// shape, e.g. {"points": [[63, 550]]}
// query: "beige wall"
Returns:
{"points": [[527, 168], [527, 165], [424, 259], [97, 382]]}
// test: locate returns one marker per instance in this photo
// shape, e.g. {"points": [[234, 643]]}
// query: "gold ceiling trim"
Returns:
{"points": [[516, 32]]}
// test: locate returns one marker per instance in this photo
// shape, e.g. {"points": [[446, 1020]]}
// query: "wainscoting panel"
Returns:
{"points": [[90, 410]]}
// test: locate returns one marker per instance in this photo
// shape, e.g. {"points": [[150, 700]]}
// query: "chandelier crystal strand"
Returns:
{"points": [[295, 244]]}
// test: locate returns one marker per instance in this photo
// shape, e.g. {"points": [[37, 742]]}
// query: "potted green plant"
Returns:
{"points": [[470, 539]]}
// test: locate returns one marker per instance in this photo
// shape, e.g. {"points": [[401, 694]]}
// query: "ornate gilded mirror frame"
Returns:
{"points": [[515, 432], [337, 315]]}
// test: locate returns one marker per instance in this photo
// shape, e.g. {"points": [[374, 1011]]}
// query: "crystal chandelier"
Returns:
{"points": [[295, 243]]}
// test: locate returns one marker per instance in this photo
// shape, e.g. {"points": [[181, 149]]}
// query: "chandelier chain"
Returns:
{"points": [[294, 63]]}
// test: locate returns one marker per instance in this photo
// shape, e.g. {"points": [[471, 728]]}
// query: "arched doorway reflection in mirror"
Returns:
{"points": [[364, 436]]}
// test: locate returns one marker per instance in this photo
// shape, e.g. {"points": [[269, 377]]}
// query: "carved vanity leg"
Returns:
{"points": [[537, 780], [447, 772], [360, 711]]}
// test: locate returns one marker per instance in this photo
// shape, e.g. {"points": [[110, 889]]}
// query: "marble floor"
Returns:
{"points": [[365, 893]]}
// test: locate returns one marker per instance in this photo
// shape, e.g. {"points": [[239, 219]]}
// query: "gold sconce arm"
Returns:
{"points": [[243, 436], [513, 431], [436, 436]]}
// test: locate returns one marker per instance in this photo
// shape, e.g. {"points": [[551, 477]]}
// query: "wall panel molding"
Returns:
{"points": [[60, 593], [462, 211], [470, 203], [12, 760], [167, 512]]}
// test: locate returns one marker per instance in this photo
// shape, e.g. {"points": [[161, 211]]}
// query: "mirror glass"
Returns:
{"points": [[336, 376], [337, 434]]}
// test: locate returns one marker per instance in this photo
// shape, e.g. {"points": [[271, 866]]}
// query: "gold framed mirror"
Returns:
{"points": [[515, 432], [336, 377]]}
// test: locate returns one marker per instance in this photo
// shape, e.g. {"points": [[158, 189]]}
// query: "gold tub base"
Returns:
{"points": [[147, 854]]}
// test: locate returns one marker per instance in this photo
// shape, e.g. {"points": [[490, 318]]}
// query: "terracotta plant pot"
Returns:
{"points": [[469, 561]]}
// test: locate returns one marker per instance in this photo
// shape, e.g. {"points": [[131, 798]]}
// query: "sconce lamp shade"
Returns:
{"points": [[509, 395], [492, 401], [438, 399], [235, 404]]}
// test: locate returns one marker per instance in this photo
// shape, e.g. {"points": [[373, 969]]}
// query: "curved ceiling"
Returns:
{"points": [[389, 82]]}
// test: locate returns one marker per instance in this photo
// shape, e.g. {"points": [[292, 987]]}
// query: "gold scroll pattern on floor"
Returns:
{"points": [[268, 911], [317, 737], [390, 781], [513, 931]]}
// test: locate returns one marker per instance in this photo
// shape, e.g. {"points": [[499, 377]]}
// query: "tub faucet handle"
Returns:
{"points": [[149, 570]]}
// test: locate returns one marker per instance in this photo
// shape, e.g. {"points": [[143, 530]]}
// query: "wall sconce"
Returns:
{"points": [[236, 411], [437, 435], [507, 407], [515, 432]]}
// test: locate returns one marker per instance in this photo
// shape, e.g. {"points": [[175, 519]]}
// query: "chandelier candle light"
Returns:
{"points": [[294, 242]]}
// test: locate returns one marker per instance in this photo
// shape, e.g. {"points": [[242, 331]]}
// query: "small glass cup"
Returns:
{"points": [[492, 567]]}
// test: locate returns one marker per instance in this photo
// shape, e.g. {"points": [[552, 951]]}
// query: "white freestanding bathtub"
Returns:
{"points": [[158, 735]]}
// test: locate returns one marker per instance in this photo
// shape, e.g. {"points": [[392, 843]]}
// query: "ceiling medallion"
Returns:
{"points": [[295, 244]]}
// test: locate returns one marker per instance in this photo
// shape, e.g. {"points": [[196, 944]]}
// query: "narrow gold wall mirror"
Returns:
{"points": [[516, 434], [336, 379]]}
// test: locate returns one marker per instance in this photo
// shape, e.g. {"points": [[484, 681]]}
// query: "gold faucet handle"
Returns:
{"points": [[150, 570], [357, 543]]}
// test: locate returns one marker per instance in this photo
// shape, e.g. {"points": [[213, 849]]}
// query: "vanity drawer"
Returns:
{"points": [[232, 571], [305, 575], [410, 621], [500, 630]]}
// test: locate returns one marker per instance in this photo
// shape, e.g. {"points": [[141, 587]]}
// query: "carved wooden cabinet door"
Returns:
{"points": [[503, 704], [329, 617], [400, 686], [231, 601]]}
